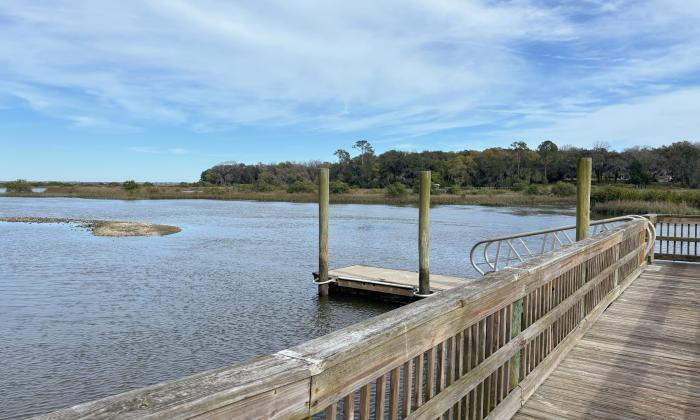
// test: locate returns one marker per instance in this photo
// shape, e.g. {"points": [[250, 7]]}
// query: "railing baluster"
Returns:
{"points": [[365, 396], [379, 396], [394, 394], [349, 406]]}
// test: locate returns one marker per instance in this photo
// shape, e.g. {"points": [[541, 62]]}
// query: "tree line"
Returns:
{"points": [[677, 163]]}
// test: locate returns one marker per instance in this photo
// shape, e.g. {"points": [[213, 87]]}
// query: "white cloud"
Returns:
{"points": [[397, 68], [158, 150]]}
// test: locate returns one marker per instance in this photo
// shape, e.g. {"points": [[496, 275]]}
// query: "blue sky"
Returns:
{"points": [[160, 90]]}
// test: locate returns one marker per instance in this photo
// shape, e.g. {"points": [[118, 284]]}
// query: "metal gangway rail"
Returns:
{"points": [[495, 254]]}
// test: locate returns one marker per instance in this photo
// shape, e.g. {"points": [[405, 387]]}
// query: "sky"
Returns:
{"points": [[160, 90]]}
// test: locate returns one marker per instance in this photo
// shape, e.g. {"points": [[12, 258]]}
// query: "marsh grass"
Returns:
{"points": [[606, 200], [620, 207]]}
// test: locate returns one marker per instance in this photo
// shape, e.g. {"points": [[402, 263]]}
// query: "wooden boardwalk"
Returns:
{"points": [[641, 359]]}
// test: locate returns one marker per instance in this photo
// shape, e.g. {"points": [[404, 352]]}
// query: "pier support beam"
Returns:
{"points": [[583, 197], [323, 194], [424, 234]]}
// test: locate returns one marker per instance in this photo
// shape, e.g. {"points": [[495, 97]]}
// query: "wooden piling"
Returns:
{"points": [[424, 234], [583, 197], [323, 194]]}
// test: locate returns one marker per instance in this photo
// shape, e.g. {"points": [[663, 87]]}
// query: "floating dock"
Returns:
{"points": [[385, 283]]}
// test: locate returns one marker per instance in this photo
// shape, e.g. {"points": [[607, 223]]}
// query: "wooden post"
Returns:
{"points": [[650, 257], [424, 234], [515, 327], [323, 193], [583, 197]]}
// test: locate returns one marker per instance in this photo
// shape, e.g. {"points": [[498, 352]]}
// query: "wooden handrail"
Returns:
{"points": [[677, 237], [457, 352]]}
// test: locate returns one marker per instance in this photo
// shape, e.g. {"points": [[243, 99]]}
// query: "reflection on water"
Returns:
{"points": [[3, 190], [84, 317]]}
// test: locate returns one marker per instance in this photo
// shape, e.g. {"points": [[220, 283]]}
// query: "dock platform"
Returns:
{"points": [[640, 360], [385, 283]]}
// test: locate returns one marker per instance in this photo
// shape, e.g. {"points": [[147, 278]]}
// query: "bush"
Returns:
{"points": [[19, 186], [339, 187], [130, 185], [396, 189], [520, 186], [562, 189], [533, 189], [454, 189], [262, 186], [301, 187]]}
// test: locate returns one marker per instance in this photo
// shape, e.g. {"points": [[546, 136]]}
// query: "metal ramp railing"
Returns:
{"points": [[495, 254]]}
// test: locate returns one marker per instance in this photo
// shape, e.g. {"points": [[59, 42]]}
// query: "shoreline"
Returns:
{"points": [[480, 197], [111, 228], [499, 198]]}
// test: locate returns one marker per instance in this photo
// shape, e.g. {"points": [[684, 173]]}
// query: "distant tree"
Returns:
{"points": [[365, 149], [130, 185], [548, 155], [520, 147], [343, 156], [683, 159], [460, 169], [18, 186], [638, 173], [339, 187]]}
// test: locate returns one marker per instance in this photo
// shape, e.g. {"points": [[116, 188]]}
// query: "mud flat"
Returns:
{"points": [[103, 227]]}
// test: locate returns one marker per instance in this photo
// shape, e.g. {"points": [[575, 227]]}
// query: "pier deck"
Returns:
{"points": [[641, 359], [385, 282]]}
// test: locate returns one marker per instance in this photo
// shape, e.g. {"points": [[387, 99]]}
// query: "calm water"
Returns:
{"points": [[83, 317]]}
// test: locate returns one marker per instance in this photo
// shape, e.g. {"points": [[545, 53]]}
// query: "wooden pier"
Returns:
{"points": [[385, 283], [587, 331]]}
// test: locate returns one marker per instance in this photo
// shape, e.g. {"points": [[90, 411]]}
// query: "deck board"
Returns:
{"points": [[640, 360], [387, 282]]}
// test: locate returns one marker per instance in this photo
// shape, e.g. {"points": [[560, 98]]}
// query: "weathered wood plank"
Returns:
{"points": [[635, 362]]}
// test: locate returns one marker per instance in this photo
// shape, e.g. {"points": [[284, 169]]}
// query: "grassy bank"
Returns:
{"points": [[606, 200], [356, 196]]}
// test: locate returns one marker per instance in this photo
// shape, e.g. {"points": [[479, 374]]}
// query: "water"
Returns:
{"points": [[3, 190], [83, 317]]}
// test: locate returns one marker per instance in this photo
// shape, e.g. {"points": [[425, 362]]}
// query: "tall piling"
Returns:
{"points": [[323, 199], [424, 234], [583, 197]]}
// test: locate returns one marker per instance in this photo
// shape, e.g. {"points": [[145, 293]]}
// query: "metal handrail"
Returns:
{"points": [[558, 236]]}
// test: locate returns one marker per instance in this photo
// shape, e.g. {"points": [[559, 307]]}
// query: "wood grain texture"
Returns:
{"points": [[640, 360]]}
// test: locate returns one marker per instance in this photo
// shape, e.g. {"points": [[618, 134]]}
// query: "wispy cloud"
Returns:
{"points": [[391, 68], [158, 150]]}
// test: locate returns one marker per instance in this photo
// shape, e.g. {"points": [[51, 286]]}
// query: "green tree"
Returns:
{"points": [[130, 185], [18, 186], [343, 156], [365, 149], [548, 155], [638, 173], [520, 147]]}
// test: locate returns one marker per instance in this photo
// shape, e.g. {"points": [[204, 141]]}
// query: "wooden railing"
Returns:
{"points": [[477, 351], [676, 237]]}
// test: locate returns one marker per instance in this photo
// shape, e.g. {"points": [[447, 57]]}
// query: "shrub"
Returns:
{"points": [[520, 186], [147, 184], [130, 185], [19, 186], [396, 189], [339, 187], [562, 189], [532, 189], [454, 189], [262, 186], [301, 187]]}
